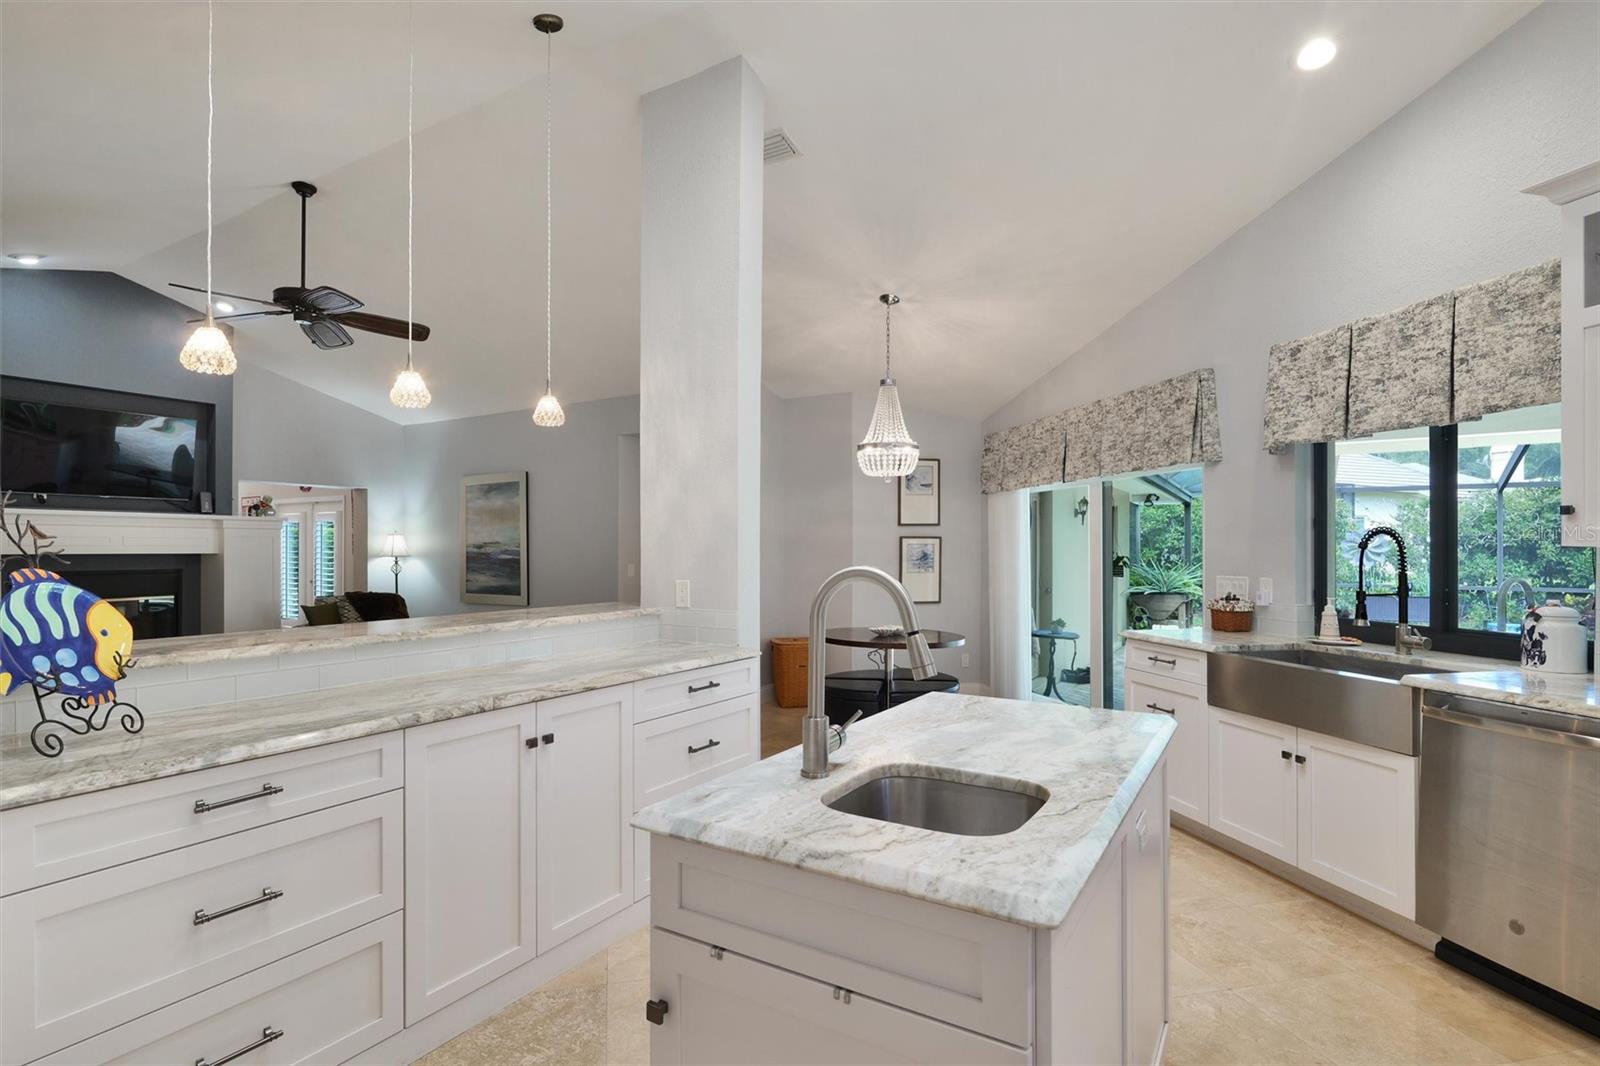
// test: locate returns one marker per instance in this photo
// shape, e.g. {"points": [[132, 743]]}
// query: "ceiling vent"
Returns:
{"points": [[779, 147]]}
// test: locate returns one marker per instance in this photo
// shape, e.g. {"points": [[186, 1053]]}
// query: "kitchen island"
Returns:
{"points": [[788, 929]]}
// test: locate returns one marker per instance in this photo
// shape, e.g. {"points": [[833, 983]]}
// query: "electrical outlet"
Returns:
{"points": [[682, 585], [1263, 592], [966, 658], [1239, 586], [633, 569]]}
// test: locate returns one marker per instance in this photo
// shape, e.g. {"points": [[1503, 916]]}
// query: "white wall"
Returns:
{"points": [[573, 492], [1426, 202]]}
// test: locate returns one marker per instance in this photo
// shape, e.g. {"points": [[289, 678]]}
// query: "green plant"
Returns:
{"points": [[1157, 578]]}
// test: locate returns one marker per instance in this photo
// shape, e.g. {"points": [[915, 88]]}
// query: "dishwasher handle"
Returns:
{"points": [[1497, 724]]}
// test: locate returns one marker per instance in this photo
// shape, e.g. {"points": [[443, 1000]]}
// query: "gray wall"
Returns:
{"points": [[1428, 201], [572, 500], [99, 329]]}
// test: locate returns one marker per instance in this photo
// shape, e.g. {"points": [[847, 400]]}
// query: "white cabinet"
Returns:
{"points": [[470, 857], [1253, 782], [585, 800], [1187, 756], [1358, 819]]}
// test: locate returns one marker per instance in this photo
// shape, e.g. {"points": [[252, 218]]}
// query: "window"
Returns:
{"points": [[310, 555], [289, 569], [327, 558], [1478, 506]]}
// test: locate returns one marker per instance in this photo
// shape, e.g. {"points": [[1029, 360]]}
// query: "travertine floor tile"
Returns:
{"points": [[1353, 941], [1235, 949], [1222, 1028]]}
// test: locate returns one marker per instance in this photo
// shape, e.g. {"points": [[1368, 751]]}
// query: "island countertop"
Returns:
{"points": [[175, 742], [1092, 763]]}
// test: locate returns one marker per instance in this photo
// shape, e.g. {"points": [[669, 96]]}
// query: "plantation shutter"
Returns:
{"points": [[289, 569], [327, 549]]}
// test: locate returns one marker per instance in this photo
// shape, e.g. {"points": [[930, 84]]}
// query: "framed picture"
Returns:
{"points": [[921, 567], [919, 495], [494, 538]]}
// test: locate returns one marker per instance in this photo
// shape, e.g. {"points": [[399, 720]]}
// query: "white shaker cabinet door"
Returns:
{"points": [[1358, 819], [586, 847], [1253, 782], [469, 854]]}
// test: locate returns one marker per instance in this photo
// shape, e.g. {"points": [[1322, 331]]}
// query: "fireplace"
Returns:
{"points": [[158, 594]]}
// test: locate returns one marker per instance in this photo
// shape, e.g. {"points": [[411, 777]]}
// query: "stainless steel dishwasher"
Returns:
{"points": [[1508, 846]]}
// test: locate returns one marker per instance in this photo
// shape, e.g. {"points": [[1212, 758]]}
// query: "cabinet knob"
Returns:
{"points": [[1287, 754], [655, 1011], [1301, 759], [548, 738], [532, 742], [1568, 509]]}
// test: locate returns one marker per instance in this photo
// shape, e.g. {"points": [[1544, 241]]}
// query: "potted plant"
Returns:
{"points": [[1162, 588]]}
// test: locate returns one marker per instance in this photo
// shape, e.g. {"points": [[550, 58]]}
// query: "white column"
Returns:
{"points": [[700, 353]]}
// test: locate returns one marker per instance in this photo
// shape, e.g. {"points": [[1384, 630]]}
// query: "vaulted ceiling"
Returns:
{"points": [[1022, 174]]}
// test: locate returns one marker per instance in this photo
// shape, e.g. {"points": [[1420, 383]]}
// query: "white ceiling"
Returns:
{"points": [[1022, 174]]}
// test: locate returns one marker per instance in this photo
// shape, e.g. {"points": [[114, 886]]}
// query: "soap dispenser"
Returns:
{"points": [[1330, 622]]}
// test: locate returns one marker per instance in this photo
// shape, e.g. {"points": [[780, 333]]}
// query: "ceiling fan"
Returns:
{"points": [[322, 312]]}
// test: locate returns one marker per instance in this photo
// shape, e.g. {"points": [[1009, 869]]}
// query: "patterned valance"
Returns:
{"points": [[1170, 423], [1493, 346]]}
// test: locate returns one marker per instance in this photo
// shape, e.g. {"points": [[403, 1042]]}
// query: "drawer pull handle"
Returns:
{"points": [[268, 789], [655, 1011], [1162, 661], [705, 687], [1163, 710], [268, 1035], [267, 896], [707, 746]]}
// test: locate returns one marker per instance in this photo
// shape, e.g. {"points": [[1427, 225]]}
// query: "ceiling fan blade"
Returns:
{"points": [[235, 318], [388, 327], [225, 295], [325, 333], [329, 300]]}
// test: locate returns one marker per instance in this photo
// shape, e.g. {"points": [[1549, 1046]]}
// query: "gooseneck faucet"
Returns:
{"points": [[1405, 637], [818, 739]]}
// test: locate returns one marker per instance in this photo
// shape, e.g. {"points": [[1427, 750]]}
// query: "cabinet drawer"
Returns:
{"points": [[329, 1002], [80, 834], [734, 1009], [672, 693], [963, 968], [1162, 660], [679, 751], [88, 954]]}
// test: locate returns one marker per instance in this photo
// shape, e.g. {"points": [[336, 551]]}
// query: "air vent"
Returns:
{"points": [[778, 146]]}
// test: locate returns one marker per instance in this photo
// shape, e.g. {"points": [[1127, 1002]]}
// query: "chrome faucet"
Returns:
{"points": [[819, 740], [1405, 636], [1529, 592]]}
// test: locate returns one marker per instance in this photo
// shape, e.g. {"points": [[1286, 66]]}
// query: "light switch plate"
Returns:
{"points": [[1239, 586], [1263, 592], [682, 585]]}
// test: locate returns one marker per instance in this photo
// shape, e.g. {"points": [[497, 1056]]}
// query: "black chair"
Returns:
{"points": [[851, 690]]}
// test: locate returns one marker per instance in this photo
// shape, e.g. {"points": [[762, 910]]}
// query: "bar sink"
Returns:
{"points": [[944, 806]]}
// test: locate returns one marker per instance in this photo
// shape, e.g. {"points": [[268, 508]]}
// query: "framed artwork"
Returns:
{"points": [[921, 567], [919, 495], [494, 538]]}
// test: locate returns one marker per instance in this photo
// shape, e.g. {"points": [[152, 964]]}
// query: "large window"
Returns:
{"points": [[1478, 506]]}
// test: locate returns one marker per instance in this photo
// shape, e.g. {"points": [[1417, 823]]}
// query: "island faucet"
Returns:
{"points": [[818, 739], [1531, 598], [1406, 638]]}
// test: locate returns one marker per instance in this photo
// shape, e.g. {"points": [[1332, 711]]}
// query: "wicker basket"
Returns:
{"points": [[790, 658], [1232, 621]]}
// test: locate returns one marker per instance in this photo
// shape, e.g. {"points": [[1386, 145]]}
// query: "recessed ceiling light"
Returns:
{"points": [[28, 259], [1316, 54], [223, 307]]}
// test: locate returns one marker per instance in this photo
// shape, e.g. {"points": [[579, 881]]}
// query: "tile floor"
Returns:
{"points": [[1262, 972]]}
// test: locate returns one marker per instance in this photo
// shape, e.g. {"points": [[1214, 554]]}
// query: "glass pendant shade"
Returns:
{"points": [[208, 352], [548, 412], [410, 391], [887, 450]]}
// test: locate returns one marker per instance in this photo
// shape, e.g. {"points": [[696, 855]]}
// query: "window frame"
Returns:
{"points": [[1443, 579]]}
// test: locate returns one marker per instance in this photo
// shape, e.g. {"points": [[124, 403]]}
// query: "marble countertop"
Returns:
{"points": [[215, 647], [1568, 693], [176, 742], [1092, 762]]}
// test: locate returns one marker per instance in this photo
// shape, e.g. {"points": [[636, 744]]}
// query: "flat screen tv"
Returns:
{"points": [[73, 446]]}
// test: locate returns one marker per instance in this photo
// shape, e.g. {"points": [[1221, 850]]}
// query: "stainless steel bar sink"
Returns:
{"points": [[1346, 696], [944, 806]]}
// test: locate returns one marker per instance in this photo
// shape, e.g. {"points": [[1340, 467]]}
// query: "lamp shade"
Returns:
{"points": [[395, 544]]}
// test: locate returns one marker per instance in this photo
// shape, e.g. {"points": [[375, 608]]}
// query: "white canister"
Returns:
{"points": [[1554, 640]]}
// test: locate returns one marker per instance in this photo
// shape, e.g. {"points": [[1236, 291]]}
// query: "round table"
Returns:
{"points": [[860, 637], [1053, 635]]}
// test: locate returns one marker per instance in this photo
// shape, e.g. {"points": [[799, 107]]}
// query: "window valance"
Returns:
{"points": [[1170, 423], [1493, 346]]}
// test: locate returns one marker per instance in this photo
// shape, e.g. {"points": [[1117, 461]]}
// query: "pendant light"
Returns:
{"points": [[887, 451], [409, 391], [547, 412], [207, 350]]}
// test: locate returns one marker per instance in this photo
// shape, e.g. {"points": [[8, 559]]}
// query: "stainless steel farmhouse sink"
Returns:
{"points": [[944, 806], [1347, 696]]}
